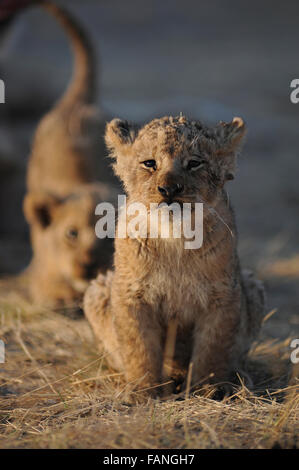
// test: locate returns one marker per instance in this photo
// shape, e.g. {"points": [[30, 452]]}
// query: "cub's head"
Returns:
{"points": [[174, 159], [64, 236]]}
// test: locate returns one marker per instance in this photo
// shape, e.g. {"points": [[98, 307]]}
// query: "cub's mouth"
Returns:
{"points": [[80, 285], [171, 201], [178, 200]]}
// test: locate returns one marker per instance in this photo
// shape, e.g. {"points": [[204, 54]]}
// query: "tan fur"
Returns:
{"points": [[67, 253], [218, 309], [67, 158], [68, 147]]}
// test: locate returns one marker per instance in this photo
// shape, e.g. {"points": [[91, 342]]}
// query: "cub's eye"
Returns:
{"points": [[195, 164], [149, 164], [72, 233]]}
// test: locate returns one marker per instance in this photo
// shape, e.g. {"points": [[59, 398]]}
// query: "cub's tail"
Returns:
{"points": [[256, 300], [83, 82]]}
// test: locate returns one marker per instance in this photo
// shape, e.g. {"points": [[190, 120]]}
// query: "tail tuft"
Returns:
{"points": [[256, 300]]}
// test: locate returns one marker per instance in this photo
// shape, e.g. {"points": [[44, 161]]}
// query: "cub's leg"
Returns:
{"points": [[214, 336], [140, 337], [98, 312], [252, 313]]}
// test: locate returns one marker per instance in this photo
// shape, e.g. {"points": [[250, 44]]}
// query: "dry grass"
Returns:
{"points": [[56, 392]]}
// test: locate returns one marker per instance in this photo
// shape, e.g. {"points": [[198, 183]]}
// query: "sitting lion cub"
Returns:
{"points": [[217, 308]]}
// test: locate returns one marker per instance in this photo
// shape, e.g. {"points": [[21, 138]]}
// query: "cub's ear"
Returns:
{"points": [[230, 135], [39, 208], [119, 136]]}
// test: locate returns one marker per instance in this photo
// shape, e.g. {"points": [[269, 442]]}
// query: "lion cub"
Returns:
{"points": [[67, 161], [67, 252], [217, 308]]}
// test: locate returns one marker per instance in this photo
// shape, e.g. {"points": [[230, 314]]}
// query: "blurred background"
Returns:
{"points": [[209, 60]]}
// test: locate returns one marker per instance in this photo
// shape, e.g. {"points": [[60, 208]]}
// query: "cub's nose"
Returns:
{"points": [[171, 190]]}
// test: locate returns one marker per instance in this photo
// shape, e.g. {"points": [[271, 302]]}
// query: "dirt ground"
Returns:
{"points": [[211, 61]]}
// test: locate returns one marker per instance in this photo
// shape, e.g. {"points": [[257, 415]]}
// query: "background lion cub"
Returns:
{"points": [[218, 309], [63, 187], [67, 252]]}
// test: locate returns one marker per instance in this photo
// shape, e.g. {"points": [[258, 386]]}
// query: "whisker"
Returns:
{"points": [[214, 212]]}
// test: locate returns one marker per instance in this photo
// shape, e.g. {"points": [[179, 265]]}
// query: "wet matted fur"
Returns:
{"points": [[216, 307]]}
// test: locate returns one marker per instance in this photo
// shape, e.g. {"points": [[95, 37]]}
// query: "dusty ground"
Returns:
{"points": [[208, 60]]}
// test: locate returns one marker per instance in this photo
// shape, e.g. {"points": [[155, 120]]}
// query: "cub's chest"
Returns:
{"points": [[177, 283]]}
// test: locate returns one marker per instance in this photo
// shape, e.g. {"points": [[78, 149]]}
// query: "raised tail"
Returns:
{"points": [[83, 82]]}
